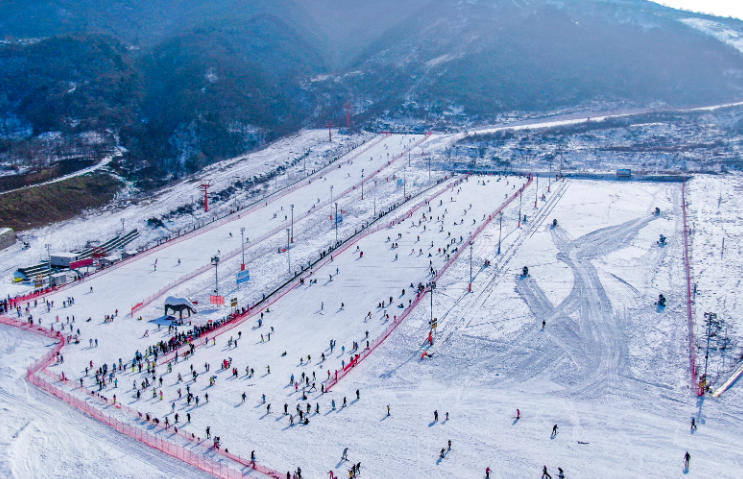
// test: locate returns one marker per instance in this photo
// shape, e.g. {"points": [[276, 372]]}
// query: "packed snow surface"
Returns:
{"points": [[579, 342]]}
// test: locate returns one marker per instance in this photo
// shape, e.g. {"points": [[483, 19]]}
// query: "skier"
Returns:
{"points": [[545, 474], [487, 473], [436, 416], [388, 410], [693, 425], [687, 458], [345, 455], [560, 474], [518, 414], [358, 395], [554, 430]]}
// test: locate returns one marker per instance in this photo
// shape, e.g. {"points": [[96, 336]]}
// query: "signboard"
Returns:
{"points": [[82, 263], [243, 276], [233, 302], [339, 219], [219, 300]]}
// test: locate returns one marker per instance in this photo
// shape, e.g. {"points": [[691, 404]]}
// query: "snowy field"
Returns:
{"points": [[579, 342]]}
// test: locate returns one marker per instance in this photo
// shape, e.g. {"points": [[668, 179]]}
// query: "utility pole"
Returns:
{"points": [[215, 262], [470, 287], [242, 240], [292, 223], [500, 230]]}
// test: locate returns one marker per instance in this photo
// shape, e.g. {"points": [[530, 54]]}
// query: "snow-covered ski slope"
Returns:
{"points": [[43, 437], [610, 368], [306, 318], [106, 222]]}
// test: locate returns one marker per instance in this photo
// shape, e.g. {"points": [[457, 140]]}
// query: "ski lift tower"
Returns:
{"points": [[329, 125], [348, 115], [206, 184]]}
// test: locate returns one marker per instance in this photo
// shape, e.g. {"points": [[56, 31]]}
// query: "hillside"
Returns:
{"points": [[181, 84]]}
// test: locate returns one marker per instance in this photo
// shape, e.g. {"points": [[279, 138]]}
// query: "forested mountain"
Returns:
{"points": [[181, 84]]}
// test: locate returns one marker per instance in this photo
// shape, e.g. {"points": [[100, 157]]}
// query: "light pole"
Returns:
{"points": [[520, 193], [292, 223], [500, 230], [215, 262], [288, 255], [470, 287], [433, 286], [536, 192], [331, 202], [404, 183], [429, 167], [362, 183], [710, 318], [242, 240], [122, 225], [48, 254], [336, 223]]}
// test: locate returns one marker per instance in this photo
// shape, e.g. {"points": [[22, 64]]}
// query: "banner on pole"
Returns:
{"points": [[243, 276], [219, 300], [82, 263]]}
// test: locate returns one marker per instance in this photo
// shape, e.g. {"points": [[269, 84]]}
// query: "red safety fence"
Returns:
{"points": [[279, 229], [689, 308], [333, 380], [38, 367]]}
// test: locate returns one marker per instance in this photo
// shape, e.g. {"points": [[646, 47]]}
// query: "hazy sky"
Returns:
{"points": [[722, 8]]}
